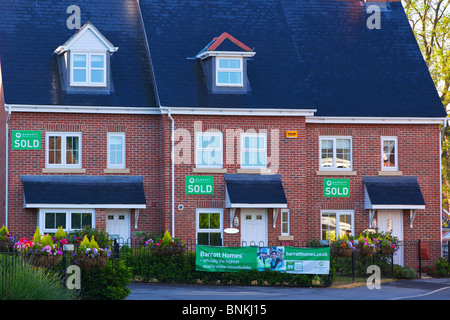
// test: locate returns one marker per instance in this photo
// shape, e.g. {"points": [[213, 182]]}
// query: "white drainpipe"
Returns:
{"points": [[7, 169], [172, 155], [441, 133]]}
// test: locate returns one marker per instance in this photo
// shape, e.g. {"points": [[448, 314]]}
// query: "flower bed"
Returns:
{"points": [[165, 245]]}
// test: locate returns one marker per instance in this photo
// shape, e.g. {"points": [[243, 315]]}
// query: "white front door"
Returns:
{"points": [[254, 227], [392, 221], [118, 225]]}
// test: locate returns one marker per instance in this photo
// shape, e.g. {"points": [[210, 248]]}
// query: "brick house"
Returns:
{"points": [[288, 121]]}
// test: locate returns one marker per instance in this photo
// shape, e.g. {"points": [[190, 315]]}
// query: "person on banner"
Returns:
{"points": [[275, 262], [263, 261]]}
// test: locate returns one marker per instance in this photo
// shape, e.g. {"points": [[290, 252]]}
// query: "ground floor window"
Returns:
{"points": [[49, 220], [209, 226], [337, 224]]}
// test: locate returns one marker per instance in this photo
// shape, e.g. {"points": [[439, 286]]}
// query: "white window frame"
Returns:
{"points": [[68, 213], [243, 150], [88, 68], [288, 222], [63, 136], [198, 211], [199, 148], [338, 214], [240, 69], [389, 138], [109, 164], [334, 166]]}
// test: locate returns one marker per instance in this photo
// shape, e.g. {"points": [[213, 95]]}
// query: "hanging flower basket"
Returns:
{"points": [[387, 251], [366, 251], [88, 263], [48, 261], [5, 245], [344, 252]]}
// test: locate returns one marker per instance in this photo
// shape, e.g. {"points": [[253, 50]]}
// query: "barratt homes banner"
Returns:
{"points": [[282, 259]]}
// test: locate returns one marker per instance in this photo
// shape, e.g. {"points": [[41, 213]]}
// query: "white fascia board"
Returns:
{"points": [[244, 54], [84, 206], [375, 120], [259, 205], [238, 111], [81, 109], [396, 207]]}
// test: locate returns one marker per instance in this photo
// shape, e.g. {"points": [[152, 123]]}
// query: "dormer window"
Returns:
{"points": [[88, 69], [229, 72], [224, 63], [84, 62]]}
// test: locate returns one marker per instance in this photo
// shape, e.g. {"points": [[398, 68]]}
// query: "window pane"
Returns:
{"points": [[97, 61], [54, 220], [76, 220], [86, 219], [214, 221], [72, 150], [223, 77], [215, 239], [327, 153], [203, 221], [116, 150], [79, 60], [345, 224], [97, 76], [210, 141], [328, 226], [54, 150], [343, 155], [79, 75], [224, 63], [203, 238], [235, 64], [389, 153], [235, 77]]}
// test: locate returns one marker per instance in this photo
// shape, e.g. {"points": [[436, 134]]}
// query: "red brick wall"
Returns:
{"points": [[143, 154]]}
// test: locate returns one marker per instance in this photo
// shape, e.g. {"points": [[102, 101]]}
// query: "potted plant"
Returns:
{"points": [[366, 246], [6, 239], [40, 251], [165, 245], [388, 244], [342, 246], [90, 256]]}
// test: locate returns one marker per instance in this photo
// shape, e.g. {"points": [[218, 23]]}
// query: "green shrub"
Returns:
{"points": [[442, 267], [21, 281], [403, 272], [108, 283]]}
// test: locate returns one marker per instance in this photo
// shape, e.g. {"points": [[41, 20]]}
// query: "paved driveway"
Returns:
{"points": [[421, 289]]}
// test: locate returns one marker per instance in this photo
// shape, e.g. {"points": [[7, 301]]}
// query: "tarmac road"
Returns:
{"points": [[420, 289]]}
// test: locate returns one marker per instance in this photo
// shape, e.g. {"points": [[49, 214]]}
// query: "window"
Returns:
{"points": [[63, 150], [335, 153], [285, 223], [229, 72], [88, 69], [336, 224], [209, 150], [253, 150], [389, 153], [116, 151], [69, 219], [209, 227]]}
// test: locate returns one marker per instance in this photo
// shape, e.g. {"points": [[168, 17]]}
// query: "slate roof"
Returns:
{"points": [[30, 31], [83, 190], [394, 190], [312, 54]]}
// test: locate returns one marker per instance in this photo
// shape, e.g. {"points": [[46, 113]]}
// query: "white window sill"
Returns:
{"points": [[63, 170], [336, 173], [255, 171], [209, 170], [390, 173]]}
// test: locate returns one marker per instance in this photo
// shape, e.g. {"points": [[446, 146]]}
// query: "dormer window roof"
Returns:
{"points": [[224, 64], [84, 61]]}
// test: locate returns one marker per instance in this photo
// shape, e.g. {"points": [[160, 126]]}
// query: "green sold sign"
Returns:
{"points": [[199, 184], [336, 188], [26, 140]]}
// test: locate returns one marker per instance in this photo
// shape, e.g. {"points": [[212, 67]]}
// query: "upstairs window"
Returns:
{"points": [[389, 160], [335, 153], [209, 150], [88, 69], [254, 151], [229, 72], [63, 150]]}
